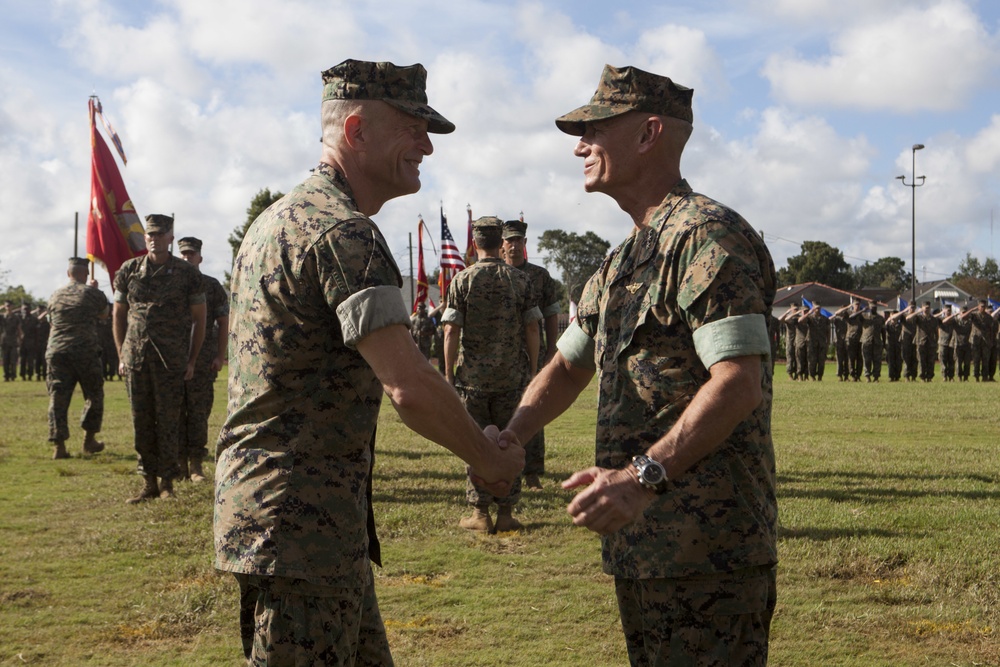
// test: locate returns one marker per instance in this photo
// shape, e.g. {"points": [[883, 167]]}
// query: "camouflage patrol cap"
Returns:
{"points": [[401, 87], [513, 229], [624, 89], [487, 229], [189, 243], [79, 262], [157, 223]]}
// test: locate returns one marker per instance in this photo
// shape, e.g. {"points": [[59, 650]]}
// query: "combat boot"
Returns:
{"points": [[531, 481], [166, 489], [505, 522], [197, 474], [480, 521], [60, 452], [149, 491], [91, 445]]}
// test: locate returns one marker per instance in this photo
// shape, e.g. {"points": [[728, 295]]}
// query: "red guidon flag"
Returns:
{"points": [[422, 286], [114, 229]]}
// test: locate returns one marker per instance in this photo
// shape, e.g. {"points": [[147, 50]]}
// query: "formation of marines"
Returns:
{"points": [[963, 342]]}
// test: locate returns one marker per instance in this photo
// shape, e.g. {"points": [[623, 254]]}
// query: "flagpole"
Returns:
{"points": [[413, 294], [76, 234]]}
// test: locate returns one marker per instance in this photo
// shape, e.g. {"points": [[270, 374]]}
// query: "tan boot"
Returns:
{"points": [[531, 481], [197, 474], [91, 445], [149, 491], [479, 521], [166, 489], [60, 451], [505, 522]]}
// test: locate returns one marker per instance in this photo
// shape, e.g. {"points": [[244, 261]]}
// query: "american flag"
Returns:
{"points": [[451, 258]]}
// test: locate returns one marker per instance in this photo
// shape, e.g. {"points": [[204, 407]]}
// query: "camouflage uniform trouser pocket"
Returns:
{"points": [[286, 621], [707, 621]]}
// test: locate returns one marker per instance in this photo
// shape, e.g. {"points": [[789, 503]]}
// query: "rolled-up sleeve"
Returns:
{"points": [[737, 336], [369, 310], [577, 347]]}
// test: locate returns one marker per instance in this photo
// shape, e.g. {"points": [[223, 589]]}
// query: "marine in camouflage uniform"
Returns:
{"points": [[29, 336], [546, 296], [674, 322], [422, 328], [73, 356], [855, 360], [199, 392], [840, 345], [803, 343], [491, 352], [872, 341], [42, 341], [819, 342], [159, 328], [788, 321], [893, 353], [925, 339], [979, 340], [907, 348], [10, 342], [961, 345], [319, 331], [946, 352]]}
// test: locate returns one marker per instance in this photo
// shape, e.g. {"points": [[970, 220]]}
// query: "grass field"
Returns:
{"points": [[889, 543]]}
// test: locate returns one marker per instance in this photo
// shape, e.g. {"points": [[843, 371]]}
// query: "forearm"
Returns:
{"points": [[197, 339], [728, 398], [551, 393], [551, 336], [120, 322]]}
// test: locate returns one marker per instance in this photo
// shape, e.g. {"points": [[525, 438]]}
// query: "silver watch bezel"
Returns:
{"points": [[642, 463]]}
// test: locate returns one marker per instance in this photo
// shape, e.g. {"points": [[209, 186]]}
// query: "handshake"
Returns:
{"points": [[500, 463]]}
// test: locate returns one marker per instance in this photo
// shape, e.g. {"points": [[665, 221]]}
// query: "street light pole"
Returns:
{"points": [[913, 185]]}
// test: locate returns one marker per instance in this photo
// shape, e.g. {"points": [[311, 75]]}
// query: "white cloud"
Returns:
{"points": [[933, 58]]}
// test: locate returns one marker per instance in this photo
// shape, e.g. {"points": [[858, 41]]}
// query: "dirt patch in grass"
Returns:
{"points": [[22, 599]]}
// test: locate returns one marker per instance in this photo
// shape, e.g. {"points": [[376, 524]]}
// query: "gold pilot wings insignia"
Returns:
{"points": [[633, 288]]}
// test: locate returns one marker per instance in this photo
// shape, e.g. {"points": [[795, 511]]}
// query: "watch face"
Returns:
{"points": [[652, 474]]}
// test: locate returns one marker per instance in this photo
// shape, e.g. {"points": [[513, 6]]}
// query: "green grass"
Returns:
{"points": [[888, 542]]}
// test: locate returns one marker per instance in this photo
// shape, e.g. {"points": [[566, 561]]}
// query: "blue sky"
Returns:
{"points": [[805, 112]]}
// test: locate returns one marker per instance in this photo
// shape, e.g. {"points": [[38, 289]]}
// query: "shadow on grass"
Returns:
{"points": [[827, 534]]}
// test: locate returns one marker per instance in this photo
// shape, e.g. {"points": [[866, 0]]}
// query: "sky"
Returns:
{"points": [[805, 112]]}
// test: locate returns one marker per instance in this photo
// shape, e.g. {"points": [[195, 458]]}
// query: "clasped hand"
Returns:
{"points": [[506, 464]]}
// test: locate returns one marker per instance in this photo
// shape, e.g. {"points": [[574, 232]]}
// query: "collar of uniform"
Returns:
{"points": [[485, 260], [338, 179]]}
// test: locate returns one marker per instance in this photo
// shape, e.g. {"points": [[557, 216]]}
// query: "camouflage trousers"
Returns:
{"points": [[199, 395], [294, 622], [963, 357], [64, 372], [27, 360], [842, 369], [908, 353], [41, 366], [9, 361], [490, 408], [709, 621], [854, 358], [155, 395], [946, 355], [927, 356], [871, 354]]}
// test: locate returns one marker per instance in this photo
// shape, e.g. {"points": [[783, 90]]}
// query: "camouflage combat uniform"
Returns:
{"points": [[946, 353], [73, 355], [819, 343], [791, 361], [491, 302], [293, 474], [907, 350], [41, 343], [803, 343], [872, 336], [198, 391], [29, 338], [422, 330], [925, 341], [853, 336], [962, 348], [10, 344], [546, 297], [840, 345], [155, 353], [691, 289]]}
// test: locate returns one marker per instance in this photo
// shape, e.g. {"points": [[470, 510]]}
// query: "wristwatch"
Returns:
{"points": [[651, 473]]}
